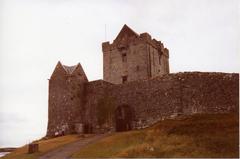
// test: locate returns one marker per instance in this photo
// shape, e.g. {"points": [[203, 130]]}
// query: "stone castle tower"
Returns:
{"points": [[66, 92], [133, 57]]}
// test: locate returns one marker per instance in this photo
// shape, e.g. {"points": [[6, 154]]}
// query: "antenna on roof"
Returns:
{"points": [[105, 32]]}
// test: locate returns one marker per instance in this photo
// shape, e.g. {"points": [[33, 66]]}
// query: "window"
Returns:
{"points": [[159, 58], [138, 68], [124, 79], [124, 57]]}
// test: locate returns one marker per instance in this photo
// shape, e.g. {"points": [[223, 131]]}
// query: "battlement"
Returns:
{"points": [[133, 39], [106, 46], [145, 36]]}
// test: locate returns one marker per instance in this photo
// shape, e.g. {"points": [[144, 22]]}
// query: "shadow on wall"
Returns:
{"points": [[123, 118]]}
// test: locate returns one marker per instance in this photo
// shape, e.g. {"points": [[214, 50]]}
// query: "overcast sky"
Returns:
{"points": [[201, 35]]}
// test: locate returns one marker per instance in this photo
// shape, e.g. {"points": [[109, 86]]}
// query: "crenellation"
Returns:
{"points": [[146, 37], [106, 46]]}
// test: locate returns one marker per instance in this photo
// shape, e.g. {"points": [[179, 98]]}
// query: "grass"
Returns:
{"points": [[200, 135], [44, 146]]}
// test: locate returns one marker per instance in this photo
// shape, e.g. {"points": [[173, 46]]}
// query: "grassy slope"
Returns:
{"points": [[203, 135], [44, 146]]}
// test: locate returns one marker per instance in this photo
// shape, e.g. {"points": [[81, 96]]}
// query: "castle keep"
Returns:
{"points": [[133, 57], [137, 90]]}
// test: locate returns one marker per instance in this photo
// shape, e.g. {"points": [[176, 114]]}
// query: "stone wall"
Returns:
{"points": [[135, 66], [181, 93], [95, 91], [73, 101]]}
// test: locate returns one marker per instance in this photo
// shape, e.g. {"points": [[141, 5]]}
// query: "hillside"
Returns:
{"points": [[44, 146], [203, 135], [200, 135]]}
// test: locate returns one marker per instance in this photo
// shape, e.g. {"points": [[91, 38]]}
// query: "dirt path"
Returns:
{"points": [[66, 151]]}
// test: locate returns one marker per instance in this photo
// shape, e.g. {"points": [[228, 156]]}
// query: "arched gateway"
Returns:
{"points": [[123, 117]]}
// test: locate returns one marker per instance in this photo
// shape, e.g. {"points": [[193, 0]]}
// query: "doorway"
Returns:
{"points": [[123, 118]]}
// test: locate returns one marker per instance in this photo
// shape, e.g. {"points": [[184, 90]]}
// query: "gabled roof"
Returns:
{"points": [[79, 70], [126, 30], [69, 69], [59, 70]]}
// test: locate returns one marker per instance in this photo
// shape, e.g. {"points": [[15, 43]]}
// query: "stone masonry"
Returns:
{"points": [[147, 95], [133, 57]]}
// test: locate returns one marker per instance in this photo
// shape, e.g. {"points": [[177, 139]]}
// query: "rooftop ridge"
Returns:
{"points": [[124, 30], [69, 69]]}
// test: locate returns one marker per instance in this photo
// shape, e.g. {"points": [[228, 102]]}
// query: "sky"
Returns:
{"points": [[201, 35]]}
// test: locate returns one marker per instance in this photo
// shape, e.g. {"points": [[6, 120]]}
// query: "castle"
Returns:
{"points": [[133, 57], [137, 90]]}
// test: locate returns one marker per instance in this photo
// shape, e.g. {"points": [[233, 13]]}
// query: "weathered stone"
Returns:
{"points": [[100, 106], [205, 93], [66, 99], [132, 57], [79, 128]]}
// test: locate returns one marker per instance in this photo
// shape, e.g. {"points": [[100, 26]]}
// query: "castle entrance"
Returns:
{"points": [[87, 129], [123, 118]]}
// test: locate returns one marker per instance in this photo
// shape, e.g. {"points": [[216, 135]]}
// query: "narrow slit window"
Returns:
{"points": [[159, 58], [124, 79], [124, 57]]}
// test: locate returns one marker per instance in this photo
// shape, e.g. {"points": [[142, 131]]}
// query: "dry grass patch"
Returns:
{"points": [[200, 135], [44, 146], [111, 146]]}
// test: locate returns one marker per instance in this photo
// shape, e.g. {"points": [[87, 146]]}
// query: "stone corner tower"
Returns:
{"points": [[133, 57], [65, 98]]}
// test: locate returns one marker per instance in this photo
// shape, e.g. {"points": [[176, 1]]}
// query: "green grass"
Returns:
{"points": [[44, 146], [201, 135]]}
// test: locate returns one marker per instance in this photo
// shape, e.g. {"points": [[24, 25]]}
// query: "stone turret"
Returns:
{"points": [[66, 94]]}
